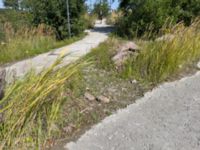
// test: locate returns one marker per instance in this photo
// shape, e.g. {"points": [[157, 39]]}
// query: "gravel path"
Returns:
{"points": [[72, 52], [167, 118]]}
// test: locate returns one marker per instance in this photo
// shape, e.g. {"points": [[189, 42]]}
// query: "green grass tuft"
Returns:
{"points": [[31, 107]]}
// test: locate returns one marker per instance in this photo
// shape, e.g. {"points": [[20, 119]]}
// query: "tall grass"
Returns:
{"points": [[28, 41], [160, 59], [31, 106]]}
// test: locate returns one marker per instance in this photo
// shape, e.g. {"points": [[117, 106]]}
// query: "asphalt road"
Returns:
{"points": [[167, 118]]}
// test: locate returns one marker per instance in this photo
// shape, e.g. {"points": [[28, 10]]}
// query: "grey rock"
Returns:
{"points": [[89, 96], [103, 99], [134, 81], [131, 46], [69, 128], [124, 52]]}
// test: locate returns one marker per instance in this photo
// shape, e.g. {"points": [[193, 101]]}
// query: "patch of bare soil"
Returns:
{"points": [[86, 109], [108, 93]]}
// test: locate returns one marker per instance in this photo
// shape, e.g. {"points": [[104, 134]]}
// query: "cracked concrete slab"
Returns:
{"points": [[167, 118]]}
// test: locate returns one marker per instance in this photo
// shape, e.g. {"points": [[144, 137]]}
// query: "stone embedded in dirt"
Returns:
{"points": [[103, 99], [120, 58], [89, 96], [124, 52], [2, 82], [130, 46], [54, 127], [134, 81], [69, 128], [167, 37], [198, 65]]}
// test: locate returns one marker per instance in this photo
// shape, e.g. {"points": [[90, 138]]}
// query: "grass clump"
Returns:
{"points": [[31, 107], [102, 55], [159, 60]]}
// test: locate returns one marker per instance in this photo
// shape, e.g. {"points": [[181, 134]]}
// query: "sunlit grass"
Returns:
{"points": [[28, 42], [32, 105], [159, 60]]}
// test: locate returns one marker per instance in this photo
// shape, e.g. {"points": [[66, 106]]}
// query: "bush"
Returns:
{"points": [[159, 60], [142, 16], [54, 14], [16, 18], [90, 20]]}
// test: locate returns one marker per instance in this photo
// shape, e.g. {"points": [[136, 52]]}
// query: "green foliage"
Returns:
{"points": [[159, 60], [32, 106], [12, 4], [101, 9], [28, 42], [16, 18], [102, 55], [90, 20], [54, 14], [150, 15]]}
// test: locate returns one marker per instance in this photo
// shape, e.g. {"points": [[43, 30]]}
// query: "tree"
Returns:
{"points": [[142, 15], [14, 4], [101, 8], [54, 14]]}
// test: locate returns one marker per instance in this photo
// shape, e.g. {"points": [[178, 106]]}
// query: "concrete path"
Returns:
{"points": [[72, 52], [168, 118]]}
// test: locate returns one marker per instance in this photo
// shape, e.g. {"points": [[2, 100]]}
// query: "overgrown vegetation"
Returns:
{"points": [[17, 19], [101, 9], [141, 16], [28, 41], [32, 105], [54, 14], [158, 59]]}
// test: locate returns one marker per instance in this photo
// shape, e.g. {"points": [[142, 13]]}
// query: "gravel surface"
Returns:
{"points": [[167, 118]]}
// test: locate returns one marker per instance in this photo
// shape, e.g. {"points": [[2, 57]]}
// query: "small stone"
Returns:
{"points": [[131, 46], [103, 99], [134, 81], [89, 96], [54, 127], [69, 128], [198, 65]]}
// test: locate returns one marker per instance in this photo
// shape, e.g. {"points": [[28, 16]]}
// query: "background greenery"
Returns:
{"points": [[140, 16]]}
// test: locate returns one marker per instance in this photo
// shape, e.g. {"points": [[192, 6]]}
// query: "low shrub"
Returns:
{"points": [[141, 15]]}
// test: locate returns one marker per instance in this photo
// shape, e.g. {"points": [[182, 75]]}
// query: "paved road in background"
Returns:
{"points": [[167, 118], [73, 52]]}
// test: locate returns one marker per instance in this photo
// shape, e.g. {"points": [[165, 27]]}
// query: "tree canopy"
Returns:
{"points": [[139, 15], [54, 14], [101, 8]]}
